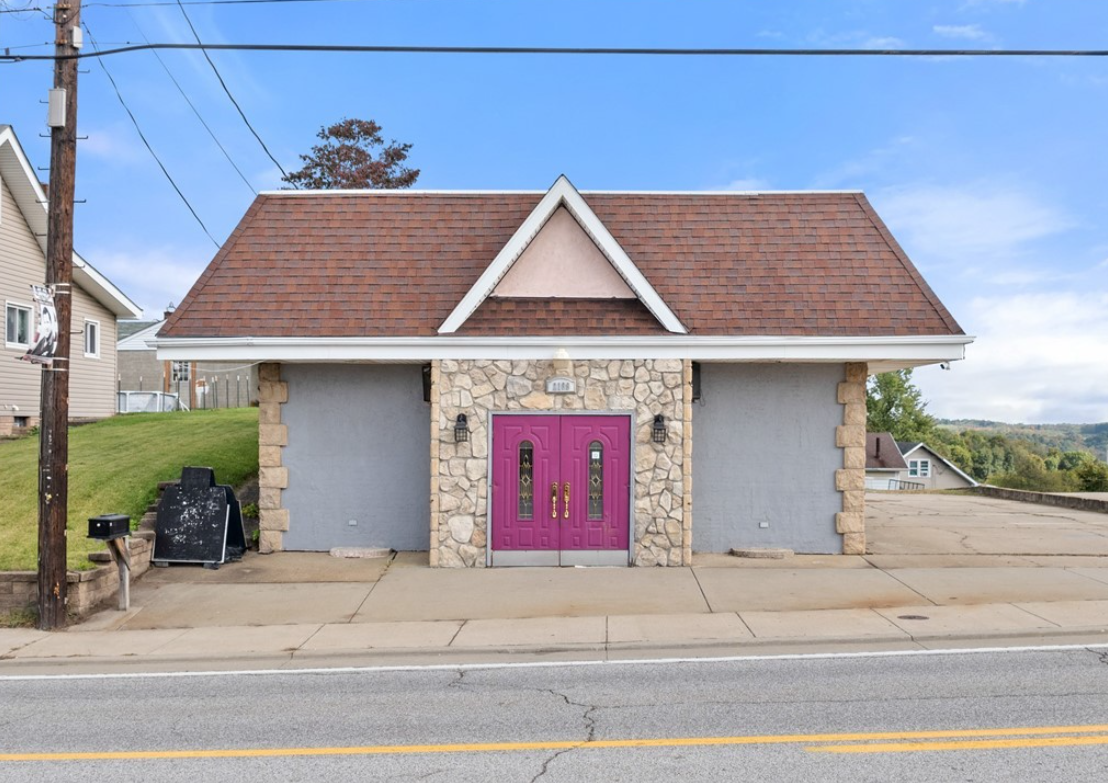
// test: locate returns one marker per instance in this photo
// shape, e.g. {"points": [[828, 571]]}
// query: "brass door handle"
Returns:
{"points": [[565, 501], [554, 500]]}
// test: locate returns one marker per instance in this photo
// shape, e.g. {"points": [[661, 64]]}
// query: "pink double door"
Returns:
{"points": [[561, 488]]}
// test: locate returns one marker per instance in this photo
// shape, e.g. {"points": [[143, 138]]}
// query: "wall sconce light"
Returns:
{"points": [[658, 432], [461, 429]]}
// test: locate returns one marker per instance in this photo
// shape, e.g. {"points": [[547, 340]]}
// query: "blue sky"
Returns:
{"points": [[991, 172]]}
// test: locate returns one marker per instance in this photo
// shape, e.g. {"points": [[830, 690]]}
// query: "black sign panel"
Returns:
{"points": [[198, 521]]}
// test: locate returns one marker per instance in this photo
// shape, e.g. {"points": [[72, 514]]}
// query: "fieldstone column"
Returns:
{"points": [[851, 480], [686, 501], [273, 477]]}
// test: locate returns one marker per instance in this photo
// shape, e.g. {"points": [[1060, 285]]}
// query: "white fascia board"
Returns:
{"points": [[29, 195], [142, 340], [899, 350], [479, 192], [561, 193], [103, 290]]}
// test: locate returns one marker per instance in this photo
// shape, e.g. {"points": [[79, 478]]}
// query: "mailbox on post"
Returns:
{"points": [[113, 529], [109, 526]]}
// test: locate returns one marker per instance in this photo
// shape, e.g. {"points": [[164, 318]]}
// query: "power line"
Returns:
{"points": [[194, 109], [209, 2], [27, 9], [226, 90], [564, 50], [142, 136]]}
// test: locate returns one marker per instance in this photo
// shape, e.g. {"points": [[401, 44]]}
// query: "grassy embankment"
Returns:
{"points": [[114, 468]]}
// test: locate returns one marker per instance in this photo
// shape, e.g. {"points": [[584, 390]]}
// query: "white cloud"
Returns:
{"points": [[883, 42], [117, 143], [746, 183], [971, 32], [1038, 358], [153, 276], [977, 3], [854, 39], [853, 173], [979, 226]]}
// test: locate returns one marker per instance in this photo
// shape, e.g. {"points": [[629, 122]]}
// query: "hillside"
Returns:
{"points": [[1092, 438]]}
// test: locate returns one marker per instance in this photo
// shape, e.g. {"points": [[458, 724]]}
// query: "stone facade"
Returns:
{"points": [[851, 480], [644, 388], [273, 477]]}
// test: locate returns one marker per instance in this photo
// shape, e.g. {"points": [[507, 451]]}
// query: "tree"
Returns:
{"points": [[1092, 476], [354, 155], [896, 406]]}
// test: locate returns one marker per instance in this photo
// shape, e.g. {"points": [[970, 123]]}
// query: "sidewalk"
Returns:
{"points": [[304, 610]]}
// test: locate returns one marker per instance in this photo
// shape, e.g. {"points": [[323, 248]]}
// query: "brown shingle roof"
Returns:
{"points": [[882, 452], [524, 316], [396, 264]]}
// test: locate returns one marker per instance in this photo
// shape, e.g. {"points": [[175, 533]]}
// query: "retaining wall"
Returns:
{"points": [[85, 589], [1045, 498]]}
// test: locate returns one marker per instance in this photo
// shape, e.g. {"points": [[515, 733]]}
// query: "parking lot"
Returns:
{"points": [[957, 524]]}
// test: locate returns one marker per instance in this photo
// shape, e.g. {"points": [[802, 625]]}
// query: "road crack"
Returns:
{"points": [[458, 683], [590, 729], [1102, 655]]}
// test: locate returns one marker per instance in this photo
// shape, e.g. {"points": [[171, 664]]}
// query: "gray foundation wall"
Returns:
{"points": [[765, 453], [358, 449]]}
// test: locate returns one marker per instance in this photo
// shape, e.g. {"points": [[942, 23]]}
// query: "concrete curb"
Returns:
{"points": [[369, 657]]}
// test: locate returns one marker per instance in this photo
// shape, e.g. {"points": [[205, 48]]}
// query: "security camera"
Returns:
{"points": [[944, 366]]}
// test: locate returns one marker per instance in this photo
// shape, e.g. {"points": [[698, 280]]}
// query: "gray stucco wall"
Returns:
{"points": [[359, 440], [764, 452]]}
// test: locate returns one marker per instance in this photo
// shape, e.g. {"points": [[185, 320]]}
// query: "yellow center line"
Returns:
{"points": [[496, 747], [912, 747]]}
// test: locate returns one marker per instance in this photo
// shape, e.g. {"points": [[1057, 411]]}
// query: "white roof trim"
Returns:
{"points": [[142, 340], [448, 192], [16, 170], [887, 351], [562, 193], [941, 459]]}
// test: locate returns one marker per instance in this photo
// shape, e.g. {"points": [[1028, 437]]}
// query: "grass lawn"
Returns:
{"points": [[114, 468]]}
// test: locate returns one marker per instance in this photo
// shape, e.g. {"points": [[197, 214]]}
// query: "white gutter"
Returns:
{"points": [[895, 352]]}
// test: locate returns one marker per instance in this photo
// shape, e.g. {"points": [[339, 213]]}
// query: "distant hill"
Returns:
{"points": [[1092, 438]]}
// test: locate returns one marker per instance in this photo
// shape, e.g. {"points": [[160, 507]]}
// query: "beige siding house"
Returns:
{"points": [[927, 467], [96, 305]]}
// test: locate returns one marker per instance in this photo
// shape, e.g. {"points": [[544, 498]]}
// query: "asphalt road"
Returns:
{"points": [[954, 717]]}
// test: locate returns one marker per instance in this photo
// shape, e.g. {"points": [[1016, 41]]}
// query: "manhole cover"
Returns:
{"points": [[912, 617]]}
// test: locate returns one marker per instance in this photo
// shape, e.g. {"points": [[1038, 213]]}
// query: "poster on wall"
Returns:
{"points": [[45, 345]]}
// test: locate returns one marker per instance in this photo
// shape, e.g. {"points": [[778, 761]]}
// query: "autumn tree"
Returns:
{"points": [[896, 406], [354, 156]]}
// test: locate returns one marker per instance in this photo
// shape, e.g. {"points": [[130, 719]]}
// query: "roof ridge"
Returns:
{"points": [[213, 265], [906, 263]]}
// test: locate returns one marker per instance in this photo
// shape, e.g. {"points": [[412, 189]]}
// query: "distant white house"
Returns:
{"points": [[147, 383], [892, 464], [927, 467]]}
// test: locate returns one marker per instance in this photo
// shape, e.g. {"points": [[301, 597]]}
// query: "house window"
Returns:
{"points": [[17, 326], [526, 480], [179, 371], [919, 468], [92, 339]]}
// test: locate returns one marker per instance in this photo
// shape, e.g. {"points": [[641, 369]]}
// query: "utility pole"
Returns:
{"points": [[53, 478]]}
